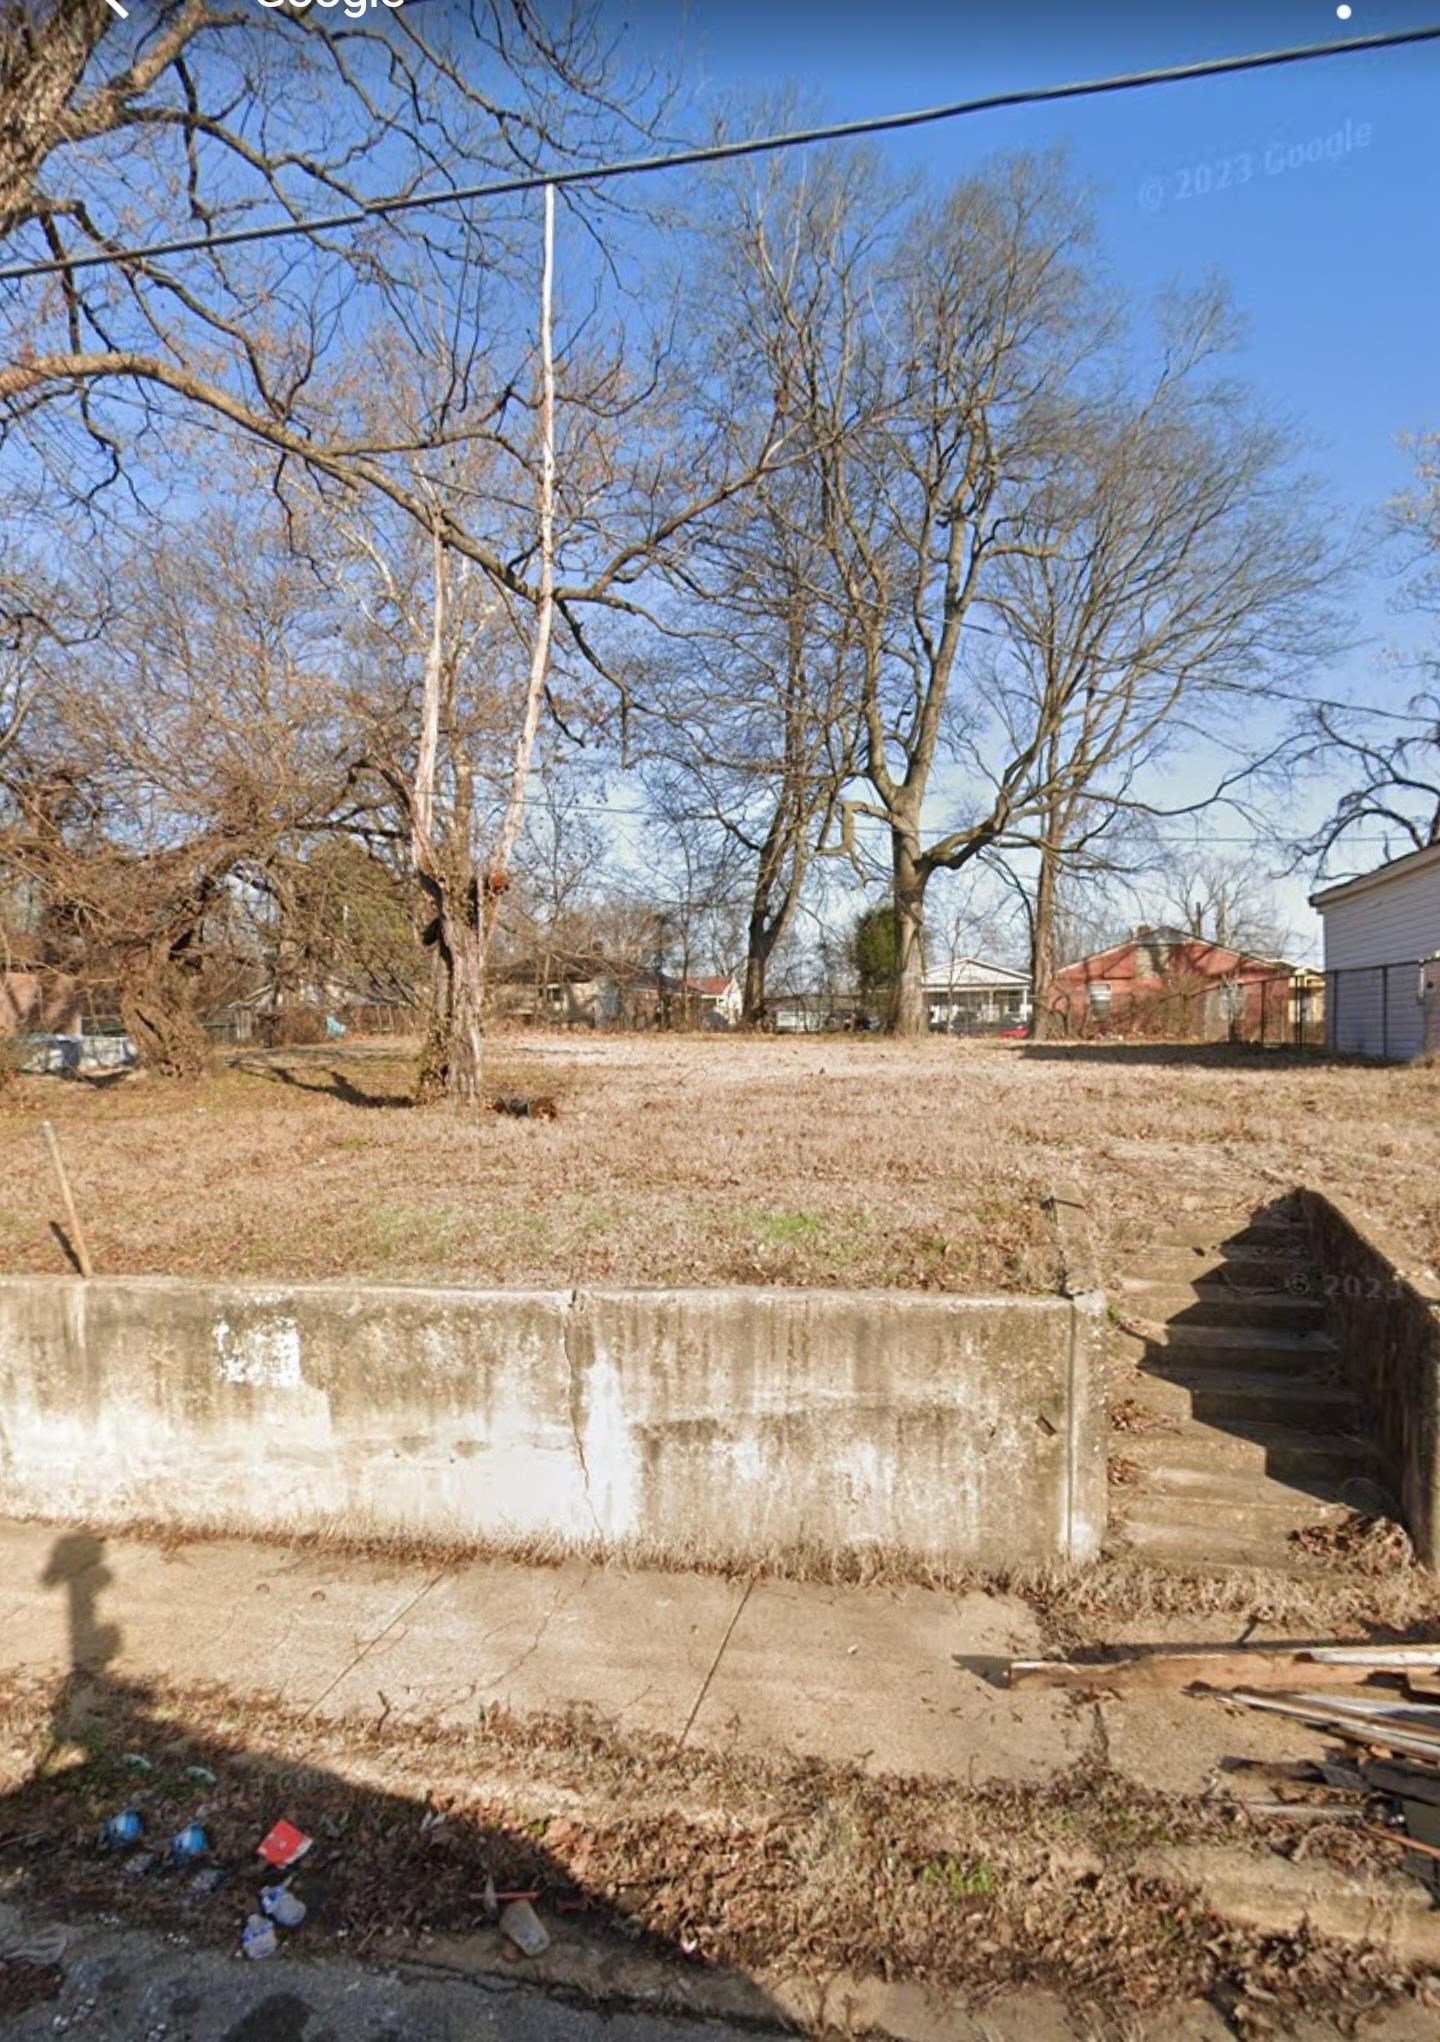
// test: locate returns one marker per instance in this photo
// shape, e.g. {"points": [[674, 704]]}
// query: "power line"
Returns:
{"points": [[724, 152], [1425, 718], [628, 812]]}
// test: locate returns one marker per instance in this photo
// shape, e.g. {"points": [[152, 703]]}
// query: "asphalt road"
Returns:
{"points": [[134, 1986]]}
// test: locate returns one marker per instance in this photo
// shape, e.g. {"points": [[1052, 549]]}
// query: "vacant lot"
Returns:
{"points": [[696, 1160]]}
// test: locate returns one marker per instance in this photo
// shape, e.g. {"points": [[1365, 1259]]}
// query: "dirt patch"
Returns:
{"points": [[712, 1861]]}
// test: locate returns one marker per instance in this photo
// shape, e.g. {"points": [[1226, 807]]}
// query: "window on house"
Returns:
{"points": [[1100, 997]]}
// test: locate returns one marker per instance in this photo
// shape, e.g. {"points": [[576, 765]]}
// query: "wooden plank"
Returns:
{"points": [[77, 1232], [1402, 1656], [1402, 1783], [1250, 1665], [1419, 1719]]}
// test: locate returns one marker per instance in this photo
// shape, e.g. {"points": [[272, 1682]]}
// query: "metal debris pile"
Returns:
{"points": [[1379, 1703]]}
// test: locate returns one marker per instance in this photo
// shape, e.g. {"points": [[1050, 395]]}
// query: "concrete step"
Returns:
{"points": [[1183, 1262], [1280, 1349], [1172, 1541], [1216, 1301], [1174, 1388], [1267, 1235], [1269, 1516], [1226, 1338], [1250, 1452], [1187, 1489]]}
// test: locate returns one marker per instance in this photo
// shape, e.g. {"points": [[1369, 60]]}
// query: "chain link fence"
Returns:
{"points": [[1278, 1013]]}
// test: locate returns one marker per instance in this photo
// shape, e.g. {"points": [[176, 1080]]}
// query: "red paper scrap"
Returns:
{"points": [[285, 1845]]}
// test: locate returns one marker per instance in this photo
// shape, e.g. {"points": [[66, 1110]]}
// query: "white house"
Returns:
{"points": [[1382, 958], [720, 999], [970, 997]]}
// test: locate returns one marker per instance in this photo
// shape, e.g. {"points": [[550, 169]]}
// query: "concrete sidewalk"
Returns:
{"points": [[860, 1675], [893, 1680]]}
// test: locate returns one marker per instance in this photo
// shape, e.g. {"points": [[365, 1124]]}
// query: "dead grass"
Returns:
{"points": [[668, 1162], [1364, 1545], [1081, 1606], [705, 1160]]}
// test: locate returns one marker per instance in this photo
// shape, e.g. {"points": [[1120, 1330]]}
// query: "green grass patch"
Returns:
{"points": [[960, 1878]]}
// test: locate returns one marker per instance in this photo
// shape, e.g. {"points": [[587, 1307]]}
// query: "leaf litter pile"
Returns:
{"points": [[708, 1861]]}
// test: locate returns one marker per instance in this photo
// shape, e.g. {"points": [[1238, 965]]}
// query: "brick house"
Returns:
{"points": [[1165, 982]]}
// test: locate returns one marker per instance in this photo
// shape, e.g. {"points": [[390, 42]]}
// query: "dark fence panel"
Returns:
{"points": [[1385, 1010]]}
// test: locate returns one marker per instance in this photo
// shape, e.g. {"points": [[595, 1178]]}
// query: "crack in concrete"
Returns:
{"points": [[573, 1401], [562, 1598], [379, 1638], [739, 1611]]}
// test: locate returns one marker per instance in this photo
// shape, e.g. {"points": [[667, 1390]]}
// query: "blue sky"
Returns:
{"points": [[1335, 263]]}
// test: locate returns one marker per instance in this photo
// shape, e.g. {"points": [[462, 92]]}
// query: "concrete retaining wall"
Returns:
{"points": [[1386, 1309], [718, 1422]]}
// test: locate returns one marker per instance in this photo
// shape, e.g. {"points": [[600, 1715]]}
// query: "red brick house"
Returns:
{"points": [[1163, 982]]}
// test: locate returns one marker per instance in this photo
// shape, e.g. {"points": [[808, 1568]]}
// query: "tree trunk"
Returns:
{"points": [[434, 1057], [757, 956], [908, 1014], [160, 1022], [467, 1020], [452, 1059], [285, 954], [1045, 1022]]}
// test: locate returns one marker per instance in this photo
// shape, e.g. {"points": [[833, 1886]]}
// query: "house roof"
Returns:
{"points": [[970, 972], [1171, 938], [1397, 868], [717, 984]]}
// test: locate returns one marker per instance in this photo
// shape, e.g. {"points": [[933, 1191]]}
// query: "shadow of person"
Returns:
{"points": [[407, 1857], [77, 1564]]}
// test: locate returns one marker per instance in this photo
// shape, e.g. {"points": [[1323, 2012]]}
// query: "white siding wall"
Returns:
{"points": [[1396, 922]]}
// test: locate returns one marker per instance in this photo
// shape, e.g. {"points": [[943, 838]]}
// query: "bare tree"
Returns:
{"points": [[1224, 900], [933, 355], [1391, 759], [547, 921], [1176, 575], [1395, 775], [441, 309], [189, 748], [1050, 570], [222, 114], [750, 731]]}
